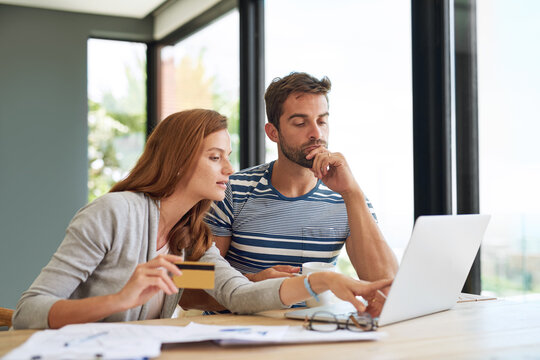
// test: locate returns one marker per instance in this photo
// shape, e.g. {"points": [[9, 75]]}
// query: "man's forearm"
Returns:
{"points": [[370, 255]]}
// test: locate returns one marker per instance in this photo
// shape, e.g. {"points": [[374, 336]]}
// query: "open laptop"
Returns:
{"points": [[433, 270]]}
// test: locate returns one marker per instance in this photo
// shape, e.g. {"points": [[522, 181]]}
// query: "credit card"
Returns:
{"points": [[195, 275]]}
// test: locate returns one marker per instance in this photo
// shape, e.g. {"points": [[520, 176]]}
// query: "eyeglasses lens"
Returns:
{"points": [[357, 322], [331, 325]]}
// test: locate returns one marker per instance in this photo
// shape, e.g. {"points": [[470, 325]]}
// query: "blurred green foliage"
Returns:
{"points": [[117, 122], [116, 132]]}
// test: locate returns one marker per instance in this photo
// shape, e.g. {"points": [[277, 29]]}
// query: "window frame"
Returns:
{"points": [[251, 41], [432, 100]]}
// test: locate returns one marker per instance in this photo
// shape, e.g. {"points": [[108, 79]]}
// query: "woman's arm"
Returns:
{"points": [[146, 281], [87, 241], [293, 290], [71, 274], [64, 312], [240, 295]]}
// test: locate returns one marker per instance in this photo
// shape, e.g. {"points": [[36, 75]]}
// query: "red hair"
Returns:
{"points": [[169, 155]]}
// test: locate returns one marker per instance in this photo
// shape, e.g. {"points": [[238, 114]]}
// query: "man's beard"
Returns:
{"points": [[297, 155]]}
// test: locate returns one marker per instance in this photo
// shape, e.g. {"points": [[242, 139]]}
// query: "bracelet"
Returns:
{"points": [[309, 289]]}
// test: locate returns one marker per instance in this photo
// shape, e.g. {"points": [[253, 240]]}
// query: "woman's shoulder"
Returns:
{"points": [[119, 203], [112, 210], [122, 196]]}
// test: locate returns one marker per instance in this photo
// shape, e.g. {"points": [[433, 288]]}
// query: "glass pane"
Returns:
{"points": [[202, 71], [364, 47], [509, 125], [116, 111]]}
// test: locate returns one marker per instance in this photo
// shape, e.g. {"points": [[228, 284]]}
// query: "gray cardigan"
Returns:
{"points": [[104, 243]]}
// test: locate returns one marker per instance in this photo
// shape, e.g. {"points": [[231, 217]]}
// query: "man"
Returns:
{"points": [[305, 205]]}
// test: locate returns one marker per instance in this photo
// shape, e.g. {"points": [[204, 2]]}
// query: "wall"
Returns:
{"points": [[43, 131]]}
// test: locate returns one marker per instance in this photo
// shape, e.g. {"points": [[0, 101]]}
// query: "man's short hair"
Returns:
{"points": [[296, 82]]}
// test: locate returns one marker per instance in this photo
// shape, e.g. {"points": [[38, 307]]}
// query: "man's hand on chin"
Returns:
{"points": [[333, 170]]}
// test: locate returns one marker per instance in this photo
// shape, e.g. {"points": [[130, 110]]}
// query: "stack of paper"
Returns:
{"points": [[129, 341]]}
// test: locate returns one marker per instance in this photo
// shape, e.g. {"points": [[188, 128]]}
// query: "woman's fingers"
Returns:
{"points": [[348, 295], [160, 273], [347, 289], [359, 306], [372, 293], [167, 261], [367, 287], [165, 284], [148, 279], [344, 288], [159, 266], [150, 287], [145, 277]]}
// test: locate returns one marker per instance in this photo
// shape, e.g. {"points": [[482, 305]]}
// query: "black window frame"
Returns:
{"points": [[251, 41], [432, 109], [432, 95]]}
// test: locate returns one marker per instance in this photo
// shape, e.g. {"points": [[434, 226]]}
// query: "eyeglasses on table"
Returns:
{"points": [[354, 322]]}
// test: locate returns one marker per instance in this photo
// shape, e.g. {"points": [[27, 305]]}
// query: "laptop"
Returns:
{"points": [[433, 270]]}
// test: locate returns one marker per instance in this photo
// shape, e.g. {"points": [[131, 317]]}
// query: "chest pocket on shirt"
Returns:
{"points": [[321, 243]]}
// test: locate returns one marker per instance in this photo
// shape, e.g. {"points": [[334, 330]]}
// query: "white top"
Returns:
{"points": [[155, 304]]}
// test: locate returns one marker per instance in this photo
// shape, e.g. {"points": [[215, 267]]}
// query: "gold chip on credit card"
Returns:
{"points": [[195, 275]]}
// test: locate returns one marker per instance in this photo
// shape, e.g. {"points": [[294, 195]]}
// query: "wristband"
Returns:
{"points": [[309, 289]]}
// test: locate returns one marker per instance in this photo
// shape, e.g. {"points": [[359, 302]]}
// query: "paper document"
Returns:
{"points": [[130, 341], [238, 333], [97, 340], [297, 334]]}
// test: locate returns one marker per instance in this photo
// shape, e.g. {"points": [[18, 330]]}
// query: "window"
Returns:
{"points": [[508, 116], [202, 71], [116, 111], [364, 47]]}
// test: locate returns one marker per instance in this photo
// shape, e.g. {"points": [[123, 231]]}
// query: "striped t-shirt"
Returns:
{"points": [[268, 229]]}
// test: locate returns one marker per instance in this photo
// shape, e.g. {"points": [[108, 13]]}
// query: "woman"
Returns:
{"points": [[114, 261]]}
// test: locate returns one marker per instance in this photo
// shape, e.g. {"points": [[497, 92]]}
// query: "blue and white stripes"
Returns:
{"points": [[268, 229]]}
